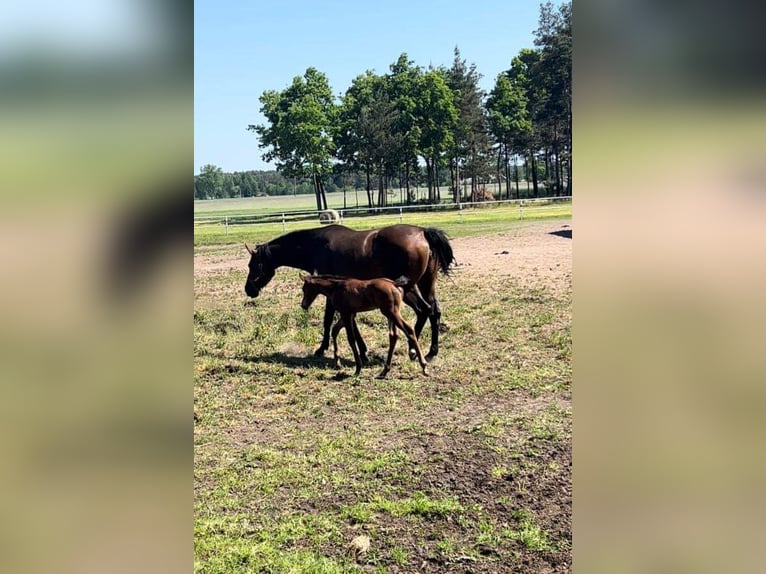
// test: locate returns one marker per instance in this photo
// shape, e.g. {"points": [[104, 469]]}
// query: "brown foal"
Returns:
{"points": [[352, 296]]}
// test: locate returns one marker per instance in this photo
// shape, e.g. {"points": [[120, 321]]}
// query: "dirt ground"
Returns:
{"points": [[454, 445], [538, 253]]}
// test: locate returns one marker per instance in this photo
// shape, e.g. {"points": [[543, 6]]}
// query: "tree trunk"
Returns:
{"points": [[322, 192], [381, 190], [526, 172], [438, 191], [407, 181], [516, 175], [317, 194], [457, 180], [547, 169], [430, 177], [507, 175], [370, 199], [557, 158], [499, 163], [533, 162]]}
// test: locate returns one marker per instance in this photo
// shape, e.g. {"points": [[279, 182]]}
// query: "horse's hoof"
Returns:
{"points": [[365, 360], [431, 356], [320, 351], [413, 354]]}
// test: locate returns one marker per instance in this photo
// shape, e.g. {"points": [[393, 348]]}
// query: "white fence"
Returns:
{"points": [[528, 207]]}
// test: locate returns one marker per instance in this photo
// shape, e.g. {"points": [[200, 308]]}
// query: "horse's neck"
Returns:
{"points": [[291, 251]]}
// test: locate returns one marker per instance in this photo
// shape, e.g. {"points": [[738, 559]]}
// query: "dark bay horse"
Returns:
{"points": [[352, 296], [415, 253]]}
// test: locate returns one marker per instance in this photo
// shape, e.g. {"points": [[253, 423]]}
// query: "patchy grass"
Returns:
{"points": [[465, 470]]}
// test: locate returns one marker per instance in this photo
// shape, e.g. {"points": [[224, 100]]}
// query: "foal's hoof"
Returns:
{"points": [[425, 370]]}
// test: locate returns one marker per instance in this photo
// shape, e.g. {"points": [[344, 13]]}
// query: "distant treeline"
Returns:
{"points": [[214, 183]]}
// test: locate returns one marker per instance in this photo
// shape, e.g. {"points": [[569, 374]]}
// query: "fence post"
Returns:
{"points": [[400, 214], [521, 210], [460, 210], [226, 223], [283, 222]]}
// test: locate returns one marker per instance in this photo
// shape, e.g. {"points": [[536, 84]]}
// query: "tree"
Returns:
{"points": [[524, 74], [554, 73], [435, 118], [299, 134], [509, 123], [403, 84], [367, 130], [471, 139], [209, 183]]}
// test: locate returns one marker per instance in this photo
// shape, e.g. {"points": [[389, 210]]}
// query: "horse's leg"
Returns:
{"points": [[349, 322], [421, 313], [392, 337], [425, 305], [407, 329], [435, 316], [329, 313], [335, 330], [360, 344]]}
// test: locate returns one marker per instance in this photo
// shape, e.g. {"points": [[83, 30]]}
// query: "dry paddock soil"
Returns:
{"points": [[537, 255]]}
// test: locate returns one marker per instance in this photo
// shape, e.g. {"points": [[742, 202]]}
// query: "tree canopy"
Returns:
{"points": [[413, 124]]}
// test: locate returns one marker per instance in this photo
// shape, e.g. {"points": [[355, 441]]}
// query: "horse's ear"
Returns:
{"points": [[315, 272], [250, 251], [304, 276]]}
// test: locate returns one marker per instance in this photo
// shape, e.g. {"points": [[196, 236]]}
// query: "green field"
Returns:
{"points": [[273, 204], [457, 223], [281, 203], [467, 470]]}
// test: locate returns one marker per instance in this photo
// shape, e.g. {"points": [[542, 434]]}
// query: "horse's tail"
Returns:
{"points": [[441, 249]]}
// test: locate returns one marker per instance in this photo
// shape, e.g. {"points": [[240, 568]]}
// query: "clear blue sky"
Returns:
{"points": [[242, 48]]}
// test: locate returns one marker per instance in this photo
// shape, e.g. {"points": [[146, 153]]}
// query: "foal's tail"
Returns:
{"points": [[441, 250]]}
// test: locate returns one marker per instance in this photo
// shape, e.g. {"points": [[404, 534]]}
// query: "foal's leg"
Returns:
{"points": [[360, 344], [407, 329], [335, 330], [392, 337], [349, 322], [329, 313]]}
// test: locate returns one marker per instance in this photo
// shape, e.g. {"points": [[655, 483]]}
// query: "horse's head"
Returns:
{"points": [[261, 269]]}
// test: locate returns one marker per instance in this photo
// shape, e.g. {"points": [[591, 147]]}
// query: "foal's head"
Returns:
{"points": [[313, 286], [311, 291], [261, 270]]}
